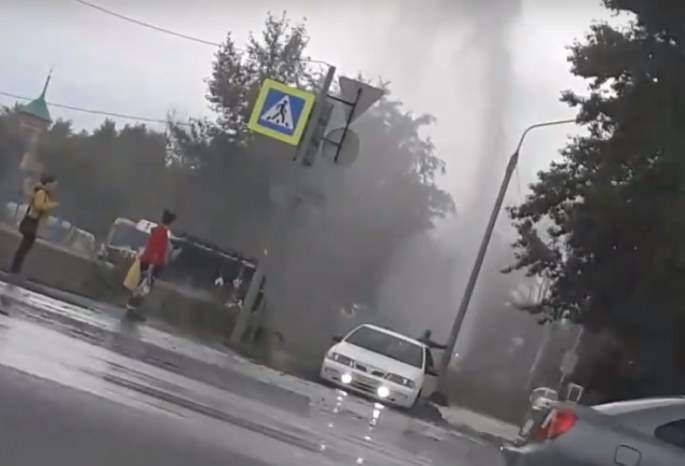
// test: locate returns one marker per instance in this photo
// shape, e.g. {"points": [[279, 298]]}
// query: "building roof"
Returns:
{"points": [[39, 107]]}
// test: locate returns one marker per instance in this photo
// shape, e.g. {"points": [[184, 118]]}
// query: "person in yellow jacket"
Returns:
{"points": [[36, 214]]}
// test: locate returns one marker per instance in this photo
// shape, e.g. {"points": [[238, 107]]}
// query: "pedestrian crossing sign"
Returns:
{"points": [[281, 112]]}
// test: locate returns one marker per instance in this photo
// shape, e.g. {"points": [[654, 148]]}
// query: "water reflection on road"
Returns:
{"points": [[150, 370]]}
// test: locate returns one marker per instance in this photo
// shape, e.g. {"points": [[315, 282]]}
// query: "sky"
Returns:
{"points": [[101, 62]]}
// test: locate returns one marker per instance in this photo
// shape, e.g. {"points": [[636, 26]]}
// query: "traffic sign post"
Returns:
{"points": [[357, 97], [267, 118], [300, 118], [341, 147], [318, 123], [281, 112], [569, 363]]}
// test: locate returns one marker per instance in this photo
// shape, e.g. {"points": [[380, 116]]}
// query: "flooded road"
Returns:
{"points": [[75, 383]]}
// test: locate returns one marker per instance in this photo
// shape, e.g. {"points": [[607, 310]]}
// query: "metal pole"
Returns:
{"points": [[317, 110], [480, 257], [544, 343], [253, 289], [566, 374], [347, 126]]}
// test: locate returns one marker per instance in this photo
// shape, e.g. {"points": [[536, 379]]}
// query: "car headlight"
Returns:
{"points": [[340, 359], [383, 392], [399, 380]]}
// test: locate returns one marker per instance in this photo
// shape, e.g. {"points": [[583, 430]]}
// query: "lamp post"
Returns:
{"points": [[480, 257]]}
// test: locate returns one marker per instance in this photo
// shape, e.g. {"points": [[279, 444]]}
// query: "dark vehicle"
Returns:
{"points": [[648, 432], [196, 264]]}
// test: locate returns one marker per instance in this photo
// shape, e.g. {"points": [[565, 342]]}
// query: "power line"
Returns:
{"points": [[147, 25], [164, 30], [139, 23], [95, 112]]}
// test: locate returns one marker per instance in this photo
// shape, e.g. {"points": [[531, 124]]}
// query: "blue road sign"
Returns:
{"points": [[281, 112]]}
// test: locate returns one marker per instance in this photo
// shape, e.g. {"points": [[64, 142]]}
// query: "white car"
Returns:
{"points": [[379, 363]]}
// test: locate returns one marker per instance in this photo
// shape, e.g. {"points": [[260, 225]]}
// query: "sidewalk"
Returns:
{"points": [[484, 425]]}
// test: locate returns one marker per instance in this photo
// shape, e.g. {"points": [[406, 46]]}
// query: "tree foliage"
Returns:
{"points": [[613, 207], [103, 174], [10, 143], [218, 176], [389, 194]]}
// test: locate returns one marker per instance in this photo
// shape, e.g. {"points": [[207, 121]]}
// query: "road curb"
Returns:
{"points": [[491, 439]]}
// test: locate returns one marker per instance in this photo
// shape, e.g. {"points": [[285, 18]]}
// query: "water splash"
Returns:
{"points": [[489, 38], [484, 52], [417, 295]]}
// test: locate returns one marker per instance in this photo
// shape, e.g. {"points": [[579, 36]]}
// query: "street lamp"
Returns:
{"points": [[473, 278]]}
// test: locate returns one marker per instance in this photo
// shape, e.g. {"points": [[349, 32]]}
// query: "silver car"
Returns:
{"points": [[648, 432]]}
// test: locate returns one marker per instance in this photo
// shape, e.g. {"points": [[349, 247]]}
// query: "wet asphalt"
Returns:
{"points": [[80, 386]]}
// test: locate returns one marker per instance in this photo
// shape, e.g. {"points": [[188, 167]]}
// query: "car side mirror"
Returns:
{"points": [[337, 338], [432, 371]]}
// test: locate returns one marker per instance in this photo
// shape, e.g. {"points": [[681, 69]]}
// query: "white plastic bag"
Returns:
{"points": [[146, 282]]}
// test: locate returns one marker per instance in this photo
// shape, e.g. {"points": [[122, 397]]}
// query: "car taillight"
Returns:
{"points": [[558, 422]]}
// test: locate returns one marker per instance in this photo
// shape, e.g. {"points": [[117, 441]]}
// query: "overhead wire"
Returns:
{"points": [[156, 28], [142, 24], [147, 25], [94, 112]]}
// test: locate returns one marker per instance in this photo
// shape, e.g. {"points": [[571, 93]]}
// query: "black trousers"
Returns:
{"points": [[25, 245]]}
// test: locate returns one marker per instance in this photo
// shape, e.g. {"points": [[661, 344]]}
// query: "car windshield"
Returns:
{"points": [[388, 345]]}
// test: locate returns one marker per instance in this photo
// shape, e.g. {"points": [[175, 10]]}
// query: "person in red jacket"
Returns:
{"points": [[153, 259]]}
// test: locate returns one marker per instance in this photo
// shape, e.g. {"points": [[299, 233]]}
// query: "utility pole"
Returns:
{"points": [[480, 257], [269, 118], [303, 148], [317, 113], [546, 336]]}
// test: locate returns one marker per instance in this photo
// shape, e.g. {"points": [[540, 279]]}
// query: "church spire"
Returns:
{"points": [[38, 108], [47, 83]]}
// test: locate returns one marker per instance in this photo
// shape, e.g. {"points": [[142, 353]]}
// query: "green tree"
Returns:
{"points": [[10, 146], [229, 171], [103, 174], [237, 75], [389, 194], [614, 205], [107, 173]]}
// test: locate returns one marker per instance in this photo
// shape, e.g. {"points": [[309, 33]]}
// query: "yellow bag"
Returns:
{"points": [[133, 276]]}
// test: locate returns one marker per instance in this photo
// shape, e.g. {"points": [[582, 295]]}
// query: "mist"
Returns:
{"points": [[409, 292]]}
